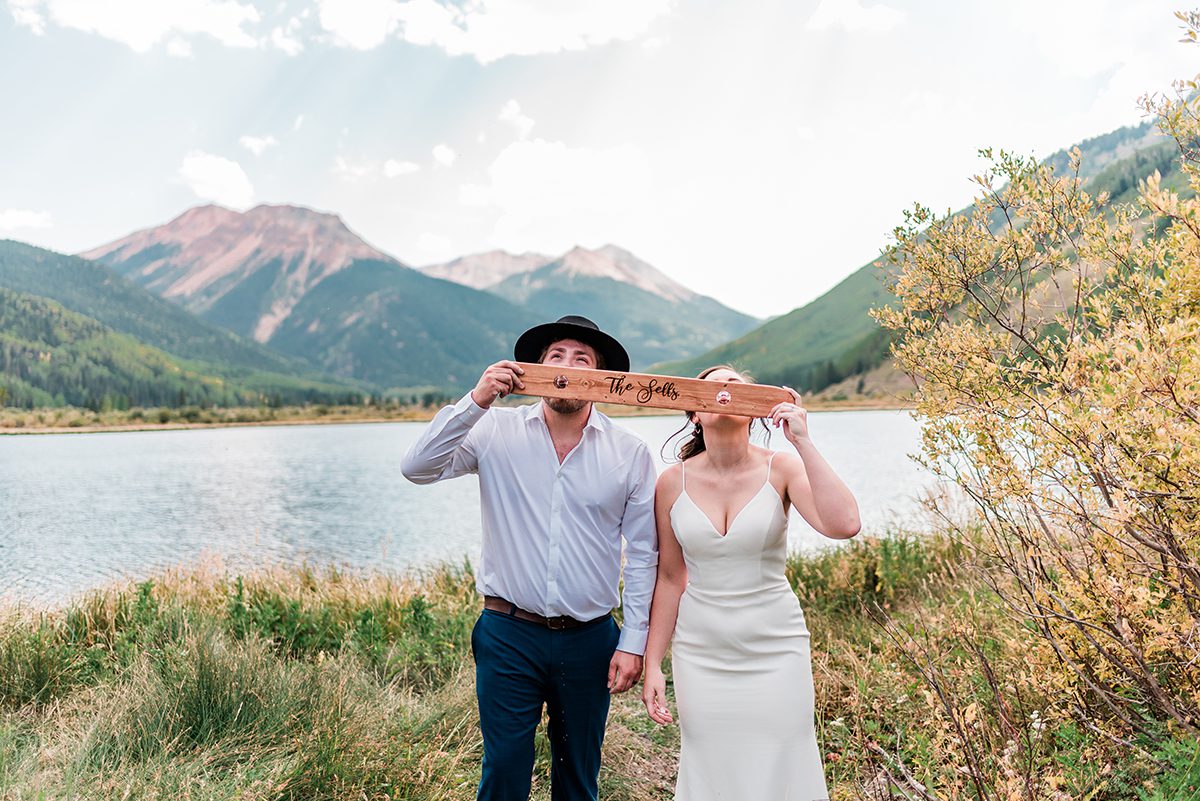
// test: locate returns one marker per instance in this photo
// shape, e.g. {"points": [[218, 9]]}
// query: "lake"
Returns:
{"points": [[81, 510]]}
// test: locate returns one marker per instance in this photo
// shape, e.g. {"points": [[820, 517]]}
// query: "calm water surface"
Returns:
{"points": [[80, 510]]}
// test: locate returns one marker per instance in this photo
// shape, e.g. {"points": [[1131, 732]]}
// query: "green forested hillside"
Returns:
{"points": [[50, 356], [95, 292], [804, 347], [833, 337], [393, 326]]}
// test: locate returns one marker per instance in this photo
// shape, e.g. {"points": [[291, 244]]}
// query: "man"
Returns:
{"points": [[560, 486]]}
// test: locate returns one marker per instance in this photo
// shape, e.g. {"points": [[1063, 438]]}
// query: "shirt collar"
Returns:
{"points": [[596, 420]]}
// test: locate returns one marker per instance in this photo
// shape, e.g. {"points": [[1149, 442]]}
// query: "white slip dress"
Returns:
{"points": [[741, 661]]}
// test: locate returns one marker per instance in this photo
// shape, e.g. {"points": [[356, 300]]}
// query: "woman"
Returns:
{"points": [[740, 652]]}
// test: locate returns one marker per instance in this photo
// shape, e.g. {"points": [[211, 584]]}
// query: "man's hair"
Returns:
{"points": [[600, 365]]}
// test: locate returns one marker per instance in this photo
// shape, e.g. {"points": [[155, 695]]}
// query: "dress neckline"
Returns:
{"points": [[683, 493]]}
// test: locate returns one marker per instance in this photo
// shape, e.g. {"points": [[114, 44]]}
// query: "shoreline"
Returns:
{"points": [[406, 416]]}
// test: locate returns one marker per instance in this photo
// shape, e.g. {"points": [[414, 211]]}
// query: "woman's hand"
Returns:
{"points": [[793, 417], [654, 696]]}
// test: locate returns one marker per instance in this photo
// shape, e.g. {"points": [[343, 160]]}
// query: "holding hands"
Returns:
{"points": [[498, 380]]}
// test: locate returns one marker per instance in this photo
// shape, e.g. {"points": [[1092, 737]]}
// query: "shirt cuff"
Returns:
{"points": [[468, 408], [632, 641]]}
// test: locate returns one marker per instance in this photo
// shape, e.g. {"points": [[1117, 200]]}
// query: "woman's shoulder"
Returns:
{"points": [[670, 478], [767, 455], [785, 463], [670, 484]]}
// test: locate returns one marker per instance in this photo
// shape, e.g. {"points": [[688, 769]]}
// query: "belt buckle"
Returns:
{"points": [[558, 623]]}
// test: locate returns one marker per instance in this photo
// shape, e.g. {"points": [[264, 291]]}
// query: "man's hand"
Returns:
{"points": [[497, 381], [623, 671]]}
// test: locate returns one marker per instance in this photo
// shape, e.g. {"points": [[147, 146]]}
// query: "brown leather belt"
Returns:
{"points": [[497, 604]]}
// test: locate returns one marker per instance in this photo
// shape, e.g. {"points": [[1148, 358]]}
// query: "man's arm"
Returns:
{"points": [[641, 560], [641, 554], [445, 450]]}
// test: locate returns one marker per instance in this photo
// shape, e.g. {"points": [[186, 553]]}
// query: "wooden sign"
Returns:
{"points": [[659, 391]]}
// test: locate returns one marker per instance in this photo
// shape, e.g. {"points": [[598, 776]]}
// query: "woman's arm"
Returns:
{"points": [[664, 609], [818, 494]]}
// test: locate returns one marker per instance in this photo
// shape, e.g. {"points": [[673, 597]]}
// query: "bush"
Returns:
{"points": [[873, 572], [1056, 341]]}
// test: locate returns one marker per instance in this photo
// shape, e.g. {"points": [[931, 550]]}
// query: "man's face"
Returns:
{"points": [[569, 353]]}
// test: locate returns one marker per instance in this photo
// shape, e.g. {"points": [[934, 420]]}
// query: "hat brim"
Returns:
{"points": [[530, 345]]}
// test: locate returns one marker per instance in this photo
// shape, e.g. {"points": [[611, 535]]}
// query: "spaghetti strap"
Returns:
{"points": [[683, 475], [770, 459]]}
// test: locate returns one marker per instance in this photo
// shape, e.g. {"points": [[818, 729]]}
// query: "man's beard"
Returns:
{"points": [[566, 405]]}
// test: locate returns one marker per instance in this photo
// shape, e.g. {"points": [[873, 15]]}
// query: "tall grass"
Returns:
{"points": [[307, 684]]}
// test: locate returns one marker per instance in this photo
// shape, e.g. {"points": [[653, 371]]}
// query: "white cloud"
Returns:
{"points": [[393, 168], [359, 24], [352, 171], [360, 170], [551, 195], [1123, 48], [298, 123], [18, 219], [511, 113], [490, 29], [852, 16], [285, 39], [142, 24], [179, 47], [25, 12], [216, 178], [485, 29], [258, 144], [444, 155]]}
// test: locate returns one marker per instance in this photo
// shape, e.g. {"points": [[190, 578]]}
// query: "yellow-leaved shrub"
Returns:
{"points": [[1055, 339]]}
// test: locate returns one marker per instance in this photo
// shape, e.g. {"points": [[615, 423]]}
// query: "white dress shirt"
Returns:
{"points": [[552, 532]]}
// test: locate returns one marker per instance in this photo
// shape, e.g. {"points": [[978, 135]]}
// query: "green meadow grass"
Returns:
{"points": [[299, 683]]}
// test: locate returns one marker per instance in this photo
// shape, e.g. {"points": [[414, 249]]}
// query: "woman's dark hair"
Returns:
{"points": [[694, 444]]}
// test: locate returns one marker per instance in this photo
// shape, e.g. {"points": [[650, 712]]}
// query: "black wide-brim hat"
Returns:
{"points": [[530, 345]]}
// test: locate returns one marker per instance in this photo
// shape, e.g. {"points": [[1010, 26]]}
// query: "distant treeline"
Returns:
{"points": [[866, 354]]}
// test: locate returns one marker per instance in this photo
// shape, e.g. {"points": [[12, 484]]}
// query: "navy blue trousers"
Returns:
{"points": [[519, 666]]}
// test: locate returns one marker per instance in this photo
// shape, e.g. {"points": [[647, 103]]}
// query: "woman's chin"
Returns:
{"points": [[714, 422]]}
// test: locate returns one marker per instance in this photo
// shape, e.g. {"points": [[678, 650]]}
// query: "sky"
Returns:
{"points": [[757, 151]]}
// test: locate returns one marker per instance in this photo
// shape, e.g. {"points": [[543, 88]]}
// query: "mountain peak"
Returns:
{"points": [[288, 212], [614, 251], [485, 270], [207, 254], [194, 222], [618, 264]]}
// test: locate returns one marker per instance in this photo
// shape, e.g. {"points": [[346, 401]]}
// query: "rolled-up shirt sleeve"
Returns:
{"points": [[449, 445], [641, 553]]}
